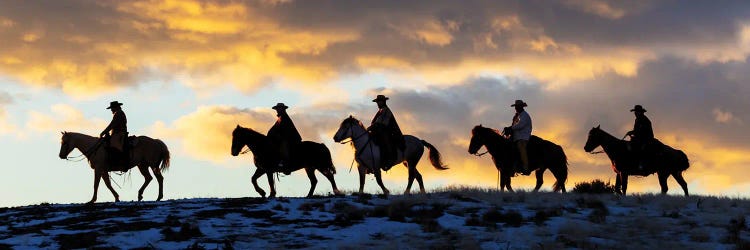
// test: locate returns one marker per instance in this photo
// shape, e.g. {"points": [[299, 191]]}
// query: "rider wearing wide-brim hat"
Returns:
{"points": [[386, 132], [283, 135], [642, 131], [118, 127], [522, 133]]}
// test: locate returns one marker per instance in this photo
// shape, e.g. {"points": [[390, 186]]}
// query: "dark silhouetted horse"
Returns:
{"points": [[367, 154], [147, 153], [670, 161], [308, 155], [543, 155]]}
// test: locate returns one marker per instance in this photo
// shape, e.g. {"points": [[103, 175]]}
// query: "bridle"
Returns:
{"points": [[353, 137], [358, 150], [86, 153], [481, 154]]}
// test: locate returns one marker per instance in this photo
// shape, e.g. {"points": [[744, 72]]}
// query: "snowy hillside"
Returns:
{"points": [[455, 218]]}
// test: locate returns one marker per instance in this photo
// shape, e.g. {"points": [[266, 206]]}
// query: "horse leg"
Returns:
{"points": [[107, 182], [618, 184], [97, 177], [160, 180], [663, 182], [411, 178], [418, 176], [271, 184], [361, 171], [379, 179], [678, 177], [258, 173], [147, 179], [539, 179], [329, 176], [506, 181], [624, 181], [313, 181]]}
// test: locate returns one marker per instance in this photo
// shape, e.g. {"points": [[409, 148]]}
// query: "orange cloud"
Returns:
{"points": [[63, 117], [206, 134]]}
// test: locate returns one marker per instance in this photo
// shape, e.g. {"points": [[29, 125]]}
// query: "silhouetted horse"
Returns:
{"points": [[367, 154], [308, 155], [624, 162], [147, 153], [543, 154]]}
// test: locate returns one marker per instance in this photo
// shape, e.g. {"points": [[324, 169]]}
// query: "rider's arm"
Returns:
{"points": [[106, 130]]}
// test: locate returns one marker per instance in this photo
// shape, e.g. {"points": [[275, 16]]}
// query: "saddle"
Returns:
{"points": [[120, 161], [646, 156], [388, 144]]}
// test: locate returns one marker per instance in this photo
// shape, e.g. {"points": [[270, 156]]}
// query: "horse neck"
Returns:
{"points": [[610, 143], [82, 142], [494, 142], [360, 137], [254, 140]]}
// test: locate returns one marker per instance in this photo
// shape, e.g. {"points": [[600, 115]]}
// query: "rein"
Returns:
{"points": [[602, 151], [358, 151], [85, 154], [481, 154]]}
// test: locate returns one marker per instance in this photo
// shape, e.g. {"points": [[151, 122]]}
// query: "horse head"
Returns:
{"points": [[594, 140], [481, 136], [346, 129], [65, 145], [238, 140]]}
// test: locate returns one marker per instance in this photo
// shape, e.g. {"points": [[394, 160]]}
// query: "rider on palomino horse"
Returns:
{"points": [[641, 135], [386, 132], [521, 133], [284, 137], [116, 149]]}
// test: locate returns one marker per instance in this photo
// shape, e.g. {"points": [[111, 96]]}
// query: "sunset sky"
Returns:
{"points": [[189, 71]]}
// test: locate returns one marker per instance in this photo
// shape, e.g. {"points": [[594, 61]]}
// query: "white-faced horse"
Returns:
{"points": [[147, 153], [367, 154]]}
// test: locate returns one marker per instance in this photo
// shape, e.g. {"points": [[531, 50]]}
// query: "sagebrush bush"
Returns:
{"points": [[594, 187]]}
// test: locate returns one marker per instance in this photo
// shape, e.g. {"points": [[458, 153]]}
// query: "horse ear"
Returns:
{"points": [[351, 116], [597, 126], [480, 125]]}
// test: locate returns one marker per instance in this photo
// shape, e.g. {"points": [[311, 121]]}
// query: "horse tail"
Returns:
{"points": [[327, 160], [435, 157], [559, 168], [164, 157]]}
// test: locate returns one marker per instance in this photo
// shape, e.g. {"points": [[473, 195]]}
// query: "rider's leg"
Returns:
{"points": [[524, 155]]}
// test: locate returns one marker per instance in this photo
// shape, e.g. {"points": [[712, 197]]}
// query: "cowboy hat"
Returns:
{"points": [[519, 103], [638, 108], [280, 106], [114, 104], [380, 98]]}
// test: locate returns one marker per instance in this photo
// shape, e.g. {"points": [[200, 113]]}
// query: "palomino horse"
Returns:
{"points": [[624, 162], [543, 154], [147, 153], [367, 154], [308, 155]]}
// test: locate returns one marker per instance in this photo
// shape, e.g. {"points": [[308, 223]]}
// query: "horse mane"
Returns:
{"points": [[352, 119], [605, 133], [246, 132], [493, 133]]}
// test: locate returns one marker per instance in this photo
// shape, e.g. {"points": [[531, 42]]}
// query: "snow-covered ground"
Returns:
{"points": [[445, 219]]}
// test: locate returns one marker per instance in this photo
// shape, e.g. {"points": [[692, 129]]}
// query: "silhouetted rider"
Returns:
{"points": [[642, 132], [386, 132], [521, 133], [118, 128], [283, 135]]}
